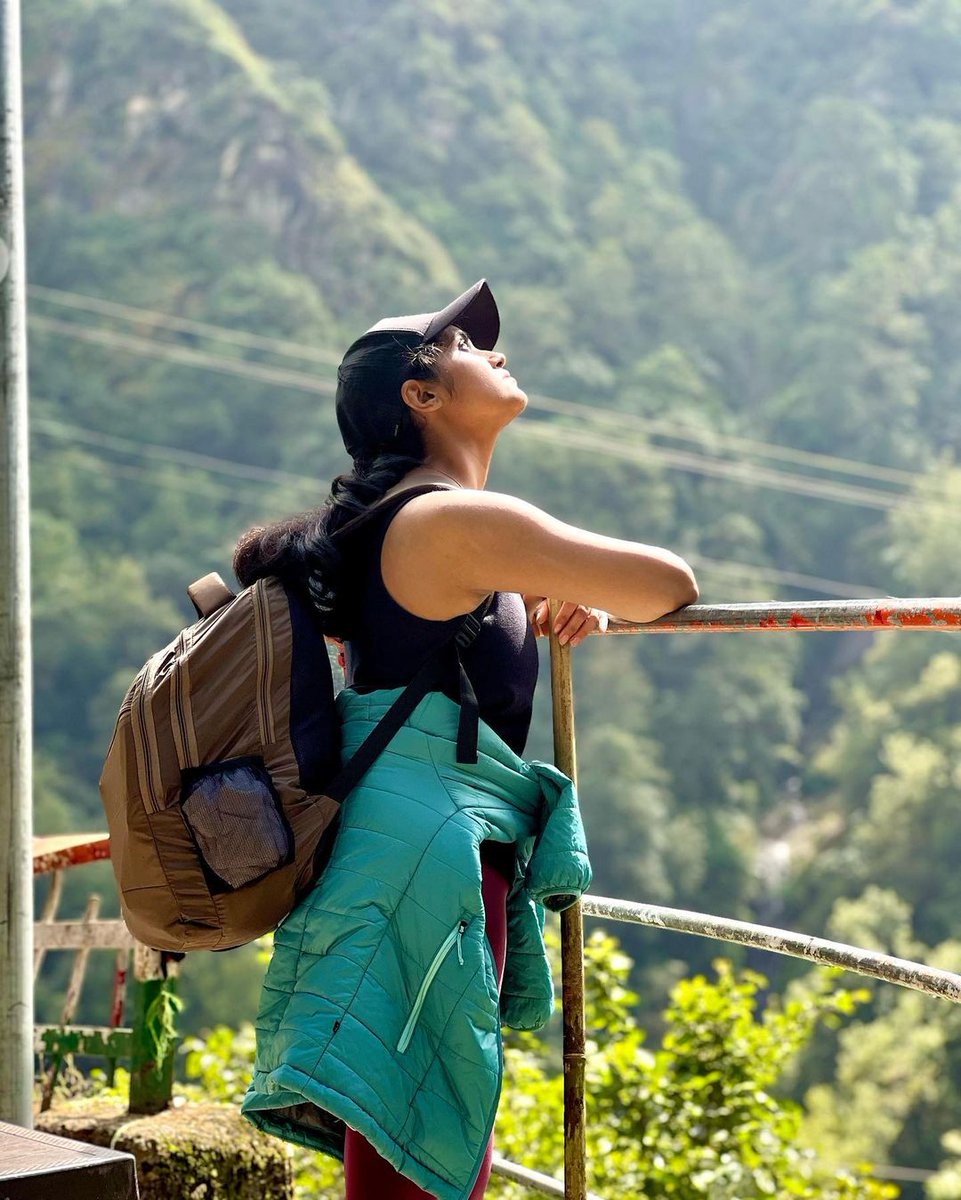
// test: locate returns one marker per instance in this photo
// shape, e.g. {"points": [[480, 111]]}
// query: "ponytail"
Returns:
{"points": [[303, 550]]}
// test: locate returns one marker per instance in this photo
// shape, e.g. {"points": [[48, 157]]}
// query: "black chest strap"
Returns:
{"points": [[427, 679]]}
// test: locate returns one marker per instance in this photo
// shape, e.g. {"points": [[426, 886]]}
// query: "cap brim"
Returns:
{"points": [[475, 311]]}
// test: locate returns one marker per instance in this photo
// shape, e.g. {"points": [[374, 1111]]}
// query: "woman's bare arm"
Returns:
{"points": [[444, 551]]}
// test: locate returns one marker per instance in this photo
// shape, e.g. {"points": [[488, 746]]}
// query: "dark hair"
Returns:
{"points": [[301, 550]]}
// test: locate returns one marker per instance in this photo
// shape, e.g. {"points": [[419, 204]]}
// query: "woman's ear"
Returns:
{"points": [[419, 394]]}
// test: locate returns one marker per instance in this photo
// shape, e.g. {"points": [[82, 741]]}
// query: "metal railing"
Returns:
{"points": [[932, 614]]}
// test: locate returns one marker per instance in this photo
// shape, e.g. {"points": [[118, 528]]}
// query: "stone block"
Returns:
{"points": [[187, 1152]]}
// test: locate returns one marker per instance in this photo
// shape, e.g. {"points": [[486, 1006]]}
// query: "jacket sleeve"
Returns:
{"points": [[527, 993], [559, 870]]}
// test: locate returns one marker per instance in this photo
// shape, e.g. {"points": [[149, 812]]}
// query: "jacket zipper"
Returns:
{"points": [[456, 936]]}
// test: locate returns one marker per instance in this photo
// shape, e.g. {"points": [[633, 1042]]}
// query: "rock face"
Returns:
{"points": [[189, 1152], [151, 119]]}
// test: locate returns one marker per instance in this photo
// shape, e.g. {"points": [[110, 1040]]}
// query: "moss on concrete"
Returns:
{"points": [[187, 1152]]}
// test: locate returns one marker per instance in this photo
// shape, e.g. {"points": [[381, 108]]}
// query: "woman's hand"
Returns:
{"points": [[573, 623]]}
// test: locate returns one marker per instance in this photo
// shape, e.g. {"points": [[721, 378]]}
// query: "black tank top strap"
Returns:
{"points": [[384, 509]]}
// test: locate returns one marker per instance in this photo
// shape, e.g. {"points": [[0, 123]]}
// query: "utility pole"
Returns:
{"points": [[16, 792]]}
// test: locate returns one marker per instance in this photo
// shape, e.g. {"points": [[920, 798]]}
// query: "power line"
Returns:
{"points": [[745, 473], [219, 333], [709, 437], [658, 426], [829, 587], [208, 489], [186, 459], [739, 472], [182, 355]]}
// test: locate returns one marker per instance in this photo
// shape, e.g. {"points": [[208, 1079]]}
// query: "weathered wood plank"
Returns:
{"points": [[36, 1165], [75, 935]]}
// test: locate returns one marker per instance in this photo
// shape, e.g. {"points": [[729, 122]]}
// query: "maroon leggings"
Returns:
{"points": [[367, 1175]]}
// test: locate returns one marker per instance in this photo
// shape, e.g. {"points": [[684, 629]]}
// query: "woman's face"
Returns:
{"points": [[477, 382]]}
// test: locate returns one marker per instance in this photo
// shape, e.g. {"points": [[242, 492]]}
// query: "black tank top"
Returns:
{"points": [[388, 643]]}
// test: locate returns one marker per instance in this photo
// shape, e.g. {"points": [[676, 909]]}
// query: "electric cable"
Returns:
{"points": [[148, 316], [208, 489], [711, 437], [184, 356], [186, 459], [795, 579], [658, 426], [740, 472]]}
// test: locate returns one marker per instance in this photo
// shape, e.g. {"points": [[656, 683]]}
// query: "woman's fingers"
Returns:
{"points": [[575, 622]]}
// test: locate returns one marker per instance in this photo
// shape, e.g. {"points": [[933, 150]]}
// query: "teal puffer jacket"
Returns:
{"points": [[380, 1007]]}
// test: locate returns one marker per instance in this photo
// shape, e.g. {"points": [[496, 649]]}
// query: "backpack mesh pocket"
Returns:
{"points": [[235, 817]]}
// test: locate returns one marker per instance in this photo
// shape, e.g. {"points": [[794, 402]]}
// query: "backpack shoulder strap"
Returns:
{"points": [[427, 675]]}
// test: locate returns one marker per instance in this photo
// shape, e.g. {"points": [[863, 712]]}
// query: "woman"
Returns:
{"points": [[379, 1029]]}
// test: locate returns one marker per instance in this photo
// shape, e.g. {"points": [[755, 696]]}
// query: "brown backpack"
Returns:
{"points": [[222, 783]]}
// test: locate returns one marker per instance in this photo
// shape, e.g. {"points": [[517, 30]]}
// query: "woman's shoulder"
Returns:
{"points": [[423, 551], [461, 506]]}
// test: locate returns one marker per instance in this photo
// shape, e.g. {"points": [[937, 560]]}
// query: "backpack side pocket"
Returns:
{"points": [[236, 819]]}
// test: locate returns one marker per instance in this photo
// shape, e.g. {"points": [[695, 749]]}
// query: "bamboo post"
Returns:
{"points": [[117, 1003], [16, 892], [572, 942]]}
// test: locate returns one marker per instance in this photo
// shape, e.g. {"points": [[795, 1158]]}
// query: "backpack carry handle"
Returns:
{"points": [[209, 594]]}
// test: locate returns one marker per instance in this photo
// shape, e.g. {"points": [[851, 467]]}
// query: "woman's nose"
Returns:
{"points": [[498, 359]]}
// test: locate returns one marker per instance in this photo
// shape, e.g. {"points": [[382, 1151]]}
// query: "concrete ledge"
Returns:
{"points": [[188, 1152]]}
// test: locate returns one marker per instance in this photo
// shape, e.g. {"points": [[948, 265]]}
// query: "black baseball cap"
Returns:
{"points": [[368, 403]]}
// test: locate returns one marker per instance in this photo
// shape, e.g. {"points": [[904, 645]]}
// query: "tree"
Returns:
{"points": [[887, 1087]]}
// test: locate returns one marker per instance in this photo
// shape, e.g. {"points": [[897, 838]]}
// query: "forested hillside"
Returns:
{"points": [[726, 243]]}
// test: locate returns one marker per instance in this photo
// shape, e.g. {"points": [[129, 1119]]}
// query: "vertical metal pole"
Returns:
{"points": [[572, 943], [16, 877]]}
